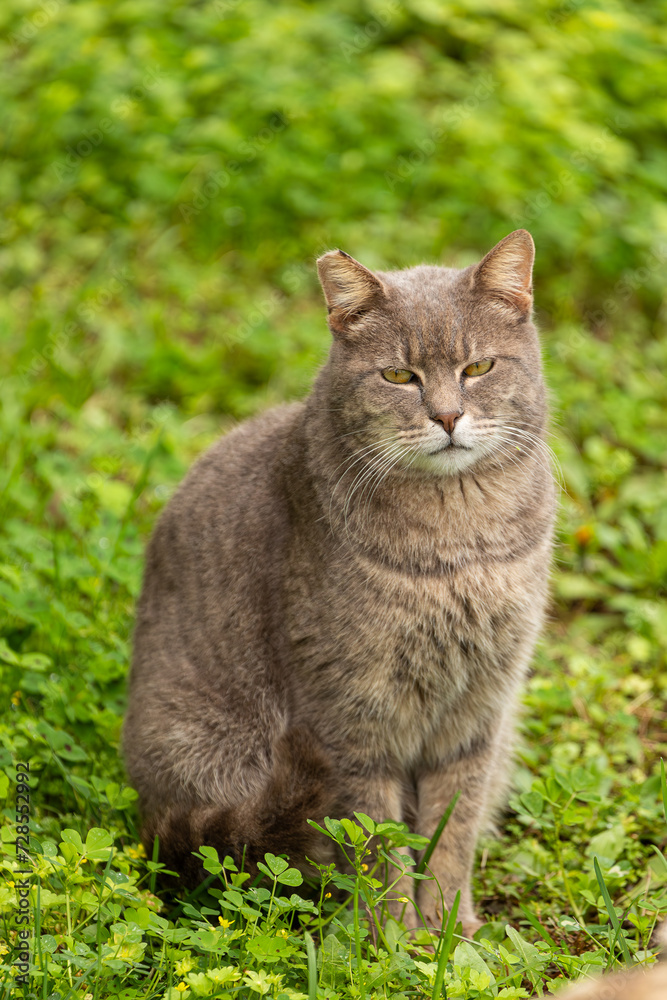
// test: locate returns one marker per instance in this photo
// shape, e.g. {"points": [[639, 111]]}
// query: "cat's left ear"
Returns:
{"points": [[506, 273], [350, 289]]}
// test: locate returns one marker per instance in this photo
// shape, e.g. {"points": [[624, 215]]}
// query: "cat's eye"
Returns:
{"points": [[400, 376], [479, 367]]}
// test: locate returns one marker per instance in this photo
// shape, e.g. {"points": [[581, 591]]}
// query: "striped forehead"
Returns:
{"points": [[431, 314]]}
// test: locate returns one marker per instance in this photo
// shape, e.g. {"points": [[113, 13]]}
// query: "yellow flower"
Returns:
{"points": [[181, 987], [16, 697], [327, 895], [11, 884], [136, 852], [224, 923], [364, 868], [282, 933]]}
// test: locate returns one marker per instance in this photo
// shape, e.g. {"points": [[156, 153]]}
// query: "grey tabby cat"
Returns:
{"points": [[341, 600]]}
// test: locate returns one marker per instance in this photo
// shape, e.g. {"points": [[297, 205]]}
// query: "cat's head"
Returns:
{"points": [[433, 367]]}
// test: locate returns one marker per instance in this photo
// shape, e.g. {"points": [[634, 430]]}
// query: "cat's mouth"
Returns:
{"points": [[446, 447]]}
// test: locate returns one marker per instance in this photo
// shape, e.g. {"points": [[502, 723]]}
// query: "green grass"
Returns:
{"points": [[154, 293], [574, 870]]}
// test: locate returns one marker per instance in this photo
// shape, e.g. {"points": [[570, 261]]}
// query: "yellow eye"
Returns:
{"points": [[398, 375], [479, 367]]}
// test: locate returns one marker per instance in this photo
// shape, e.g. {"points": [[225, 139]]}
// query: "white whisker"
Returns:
{"points": [[539, 443], [379, 476], [353, 459], [368, 473], [368, 469], [410, 451], [541, 449]]}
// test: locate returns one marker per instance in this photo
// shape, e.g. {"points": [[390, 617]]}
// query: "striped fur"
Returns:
{"points": [[342, 591]]}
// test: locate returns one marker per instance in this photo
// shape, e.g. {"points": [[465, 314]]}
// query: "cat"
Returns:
{"points": [[341, 600]]}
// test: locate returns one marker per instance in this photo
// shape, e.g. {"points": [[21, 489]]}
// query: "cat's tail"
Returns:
{"points": [[300, 787]]}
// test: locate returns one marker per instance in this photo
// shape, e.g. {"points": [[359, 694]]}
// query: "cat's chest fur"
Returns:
{"points": [[406, 650]]}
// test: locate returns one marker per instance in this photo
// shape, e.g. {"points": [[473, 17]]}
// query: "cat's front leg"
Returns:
{"points": [[473, 775], [381, 798]]}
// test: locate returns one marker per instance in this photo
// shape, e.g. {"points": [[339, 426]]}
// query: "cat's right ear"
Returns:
{"points": [[506, 273], [350, 289]]}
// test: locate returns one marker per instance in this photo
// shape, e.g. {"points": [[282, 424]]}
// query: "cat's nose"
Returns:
{"points": [[448, 419]]}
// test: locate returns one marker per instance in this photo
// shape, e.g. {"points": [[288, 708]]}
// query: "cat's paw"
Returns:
{"points": [[470, 926]]}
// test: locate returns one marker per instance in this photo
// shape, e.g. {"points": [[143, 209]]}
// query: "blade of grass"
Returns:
{"points": [[98, 929], [154, 859], [357, 940], [530, 955], [663, 861], [613, 916], [139, 487], [38, 939], [541, 930], [433, 842], [201, 888], [190, 898], [312, 967], [663, 784], [445, 947]]}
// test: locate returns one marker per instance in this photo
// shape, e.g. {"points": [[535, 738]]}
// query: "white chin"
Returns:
{"points": [[448, 462]]}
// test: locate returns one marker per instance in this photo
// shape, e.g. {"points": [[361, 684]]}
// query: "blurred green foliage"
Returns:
{"points": [[169, 165], [170, 171]]}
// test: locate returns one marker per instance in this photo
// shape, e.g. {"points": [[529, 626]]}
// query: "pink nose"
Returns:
{"points": [[448, 420]]}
